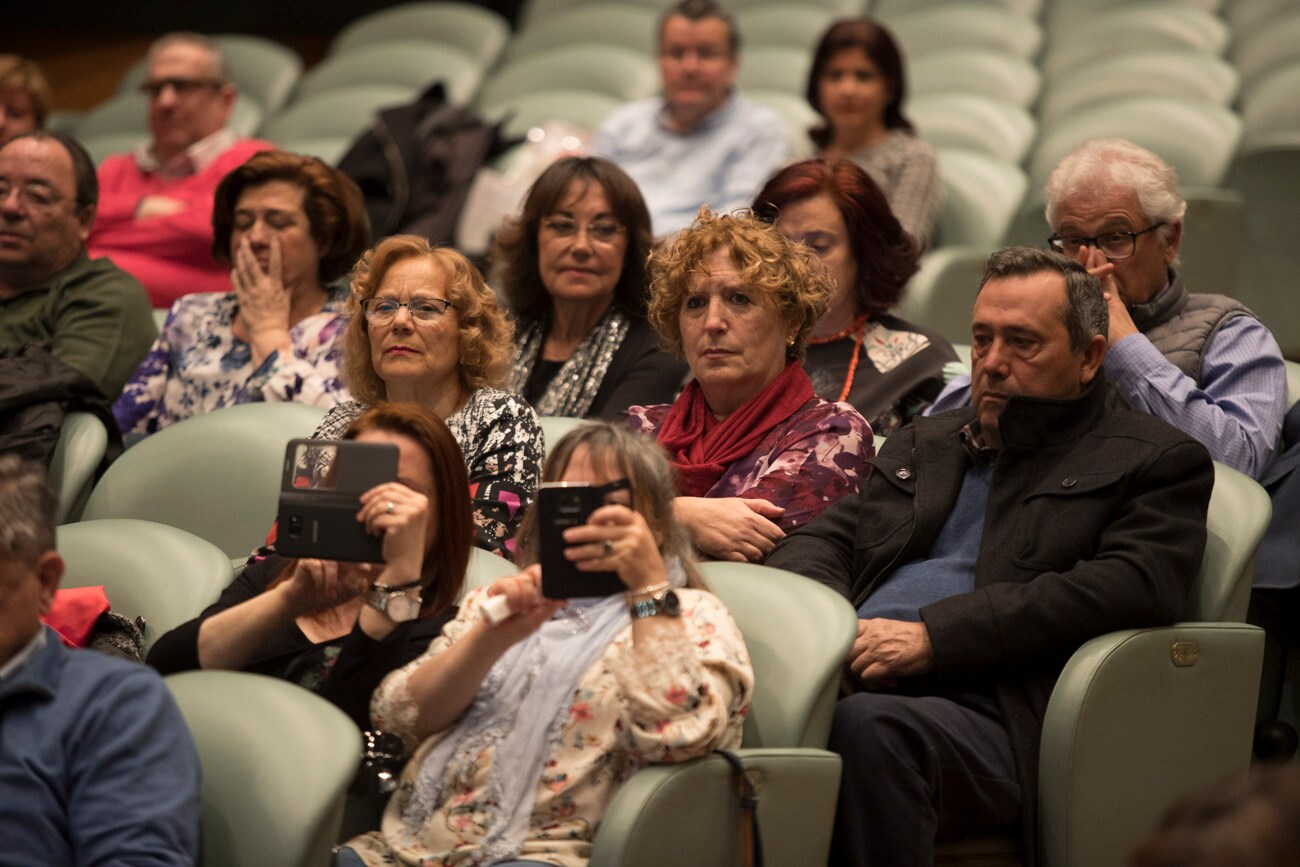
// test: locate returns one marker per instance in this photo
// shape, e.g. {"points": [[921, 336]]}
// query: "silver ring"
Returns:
{"points": [[608, 546], [391, 507]]}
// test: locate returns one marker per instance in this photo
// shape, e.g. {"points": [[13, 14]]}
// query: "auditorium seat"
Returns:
{"points": [[981, 194], [608, 69], [468, 26], [964, 120], [1179, 74], [1136, 28], [977, 71], [404, 63], [952, 26]]}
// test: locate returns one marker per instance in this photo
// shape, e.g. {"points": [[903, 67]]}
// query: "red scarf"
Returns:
{"points": [[703, 448]]}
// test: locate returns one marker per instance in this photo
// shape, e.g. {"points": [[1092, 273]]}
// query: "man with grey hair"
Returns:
{"points": [[1203, 363], [155, 213], [97, 764], [701, 143], [989, 543]]}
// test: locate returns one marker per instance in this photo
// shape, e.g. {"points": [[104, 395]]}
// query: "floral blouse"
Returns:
{"points": [[197, 364], [504, 448], [803, 465], [632, 707]]}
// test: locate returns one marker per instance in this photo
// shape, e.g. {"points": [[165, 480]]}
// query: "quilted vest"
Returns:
{"points": [[1181, 324]]}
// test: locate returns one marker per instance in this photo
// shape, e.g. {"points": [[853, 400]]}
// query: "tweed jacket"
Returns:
{"points": [[1095, 522]]}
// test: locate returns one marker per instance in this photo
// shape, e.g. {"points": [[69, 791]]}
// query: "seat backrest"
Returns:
{"points": [[949, 26], [128, 113], [975, 70], [981, 193], [619, 72], [1238, 516], [1271, 104], [347, 111], [215, 475], [775, 67], [474, 28], [78, 453], [1061, 19], [967, 120], [411, 63], [798, 634], [276, 761], [554, 427], [798, 114], [584, 109], [484, 568], [885, 9], [1139, 27], [1197, 139], [160, 573], [625, 25], [1276, 45], [1292, 383], [1184, 74], [941, 294], [793, 26]]}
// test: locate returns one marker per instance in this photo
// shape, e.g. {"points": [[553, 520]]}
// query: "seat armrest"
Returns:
{"points": [[688, 815], [1137, 719]]}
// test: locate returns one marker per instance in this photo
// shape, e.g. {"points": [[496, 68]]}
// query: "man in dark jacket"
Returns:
{"points": [[989, 543]]}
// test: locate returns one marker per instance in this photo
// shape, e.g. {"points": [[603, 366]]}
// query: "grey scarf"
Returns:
{"points": [[574, 388]]}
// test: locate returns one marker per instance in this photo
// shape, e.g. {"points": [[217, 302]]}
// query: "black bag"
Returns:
{"points": [[416, 164]]}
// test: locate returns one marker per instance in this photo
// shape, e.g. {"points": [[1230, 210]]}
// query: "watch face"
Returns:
{"points": [[402, 608], [670, 604]]}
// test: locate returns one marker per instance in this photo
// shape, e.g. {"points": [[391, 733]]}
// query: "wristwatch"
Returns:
{"points": [[665, 603], [394, 602]]}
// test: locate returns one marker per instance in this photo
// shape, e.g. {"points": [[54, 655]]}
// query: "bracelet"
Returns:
{"points": [[652, 590]]}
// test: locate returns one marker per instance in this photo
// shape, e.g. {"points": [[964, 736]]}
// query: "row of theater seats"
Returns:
{"points": [[1137, 718], [1003, 89]]}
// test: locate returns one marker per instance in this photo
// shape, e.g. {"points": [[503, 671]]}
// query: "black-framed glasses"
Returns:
{"points": [[1113, 245], [603, 231], [382, 311], [154, 89]]}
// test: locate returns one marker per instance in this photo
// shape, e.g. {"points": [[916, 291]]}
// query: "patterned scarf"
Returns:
{"points": [[574, 388], [702, 448]]}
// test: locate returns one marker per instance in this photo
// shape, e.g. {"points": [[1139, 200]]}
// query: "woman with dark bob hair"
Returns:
{"points": [[572, 267], [858, 86], [756, 452], [888, 369], [424, 328], [290, 226], [320, 623]]}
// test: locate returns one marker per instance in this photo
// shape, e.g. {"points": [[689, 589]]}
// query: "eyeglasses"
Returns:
{"points": [[182, 86], [1113, 245], [602, 231], [34, 196], [382, 311]]}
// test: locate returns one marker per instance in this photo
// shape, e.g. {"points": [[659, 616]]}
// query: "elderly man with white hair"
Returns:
{"points": [[1203, 363]]}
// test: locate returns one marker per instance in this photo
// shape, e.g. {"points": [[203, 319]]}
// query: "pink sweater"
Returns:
{"points": [[171, 256]]}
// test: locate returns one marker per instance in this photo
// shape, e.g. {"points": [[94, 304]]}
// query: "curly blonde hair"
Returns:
{"points": [[787, 275], [486, 333]]}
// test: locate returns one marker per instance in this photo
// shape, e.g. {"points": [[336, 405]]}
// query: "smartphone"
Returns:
{"points": [[562, 505], [320, 495]]}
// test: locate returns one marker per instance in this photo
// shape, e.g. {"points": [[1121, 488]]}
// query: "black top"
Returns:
{"points": [[345, 671], [639, 374], [886, 400]]}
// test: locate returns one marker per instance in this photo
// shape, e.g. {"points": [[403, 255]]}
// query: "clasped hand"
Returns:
{"points": [[886, 650]]}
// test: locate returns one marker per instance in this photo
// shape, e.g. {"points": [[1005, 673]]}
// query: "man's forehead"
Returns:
{"points": [[1109, 207], [30, 160], [185, 58], [678, 29], [1022, 301]]}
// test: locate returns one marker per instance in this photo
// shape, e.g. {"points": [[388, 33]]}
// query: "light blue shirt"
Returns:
{"points": [[721, 163], [1235, 411]]}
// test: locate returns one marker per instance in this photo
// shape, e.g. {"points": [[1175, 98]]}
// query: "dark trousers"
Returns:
{"points": [[917, 769]]}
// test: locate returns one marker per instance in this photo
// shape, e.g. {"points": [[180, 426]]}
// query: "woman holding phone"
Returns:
{"points": [[339, 628], [524, 729]]}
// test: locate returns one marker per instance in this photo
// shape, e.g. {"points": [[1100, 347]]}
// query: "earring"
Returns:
{"points": [[789, 341]]}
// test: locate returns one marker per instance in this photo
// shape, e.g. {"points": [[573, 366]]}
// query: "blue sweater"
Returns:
{"points": [[950, 567], [97, 766]]}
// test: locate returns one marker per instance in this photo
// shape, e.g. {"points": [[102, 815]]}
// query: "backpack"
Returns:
{"points": [[416, 163]]}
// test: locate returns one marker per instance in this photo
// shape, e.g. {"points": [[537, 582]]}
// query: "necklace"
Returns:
{"points": [[858, 328]]}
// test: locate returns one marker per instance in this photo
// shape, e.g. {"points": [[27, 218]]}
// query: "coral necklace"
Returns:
{"points": [[857, 330]]}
